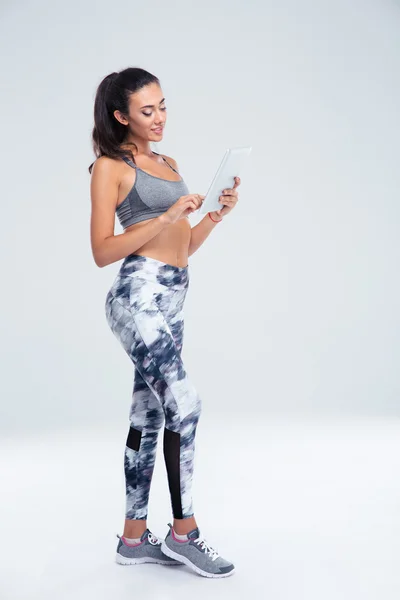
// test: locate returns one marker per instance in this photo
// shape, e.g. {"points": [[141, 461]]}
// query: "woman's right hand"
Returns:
{"points": [[183, 207]]}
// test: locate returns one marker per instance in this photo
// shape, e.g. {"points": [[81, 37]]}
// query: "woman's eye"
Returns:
{"points": [[149, 114]]}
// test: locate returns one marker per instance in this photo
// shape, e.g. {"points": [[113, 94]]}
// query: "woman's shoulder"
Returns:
{"points": [[107, 161], [106, 165]]}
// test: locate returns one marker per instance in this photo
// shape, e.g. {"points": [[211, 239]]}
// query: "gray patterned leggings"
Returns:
{"points": [[144, 309]]}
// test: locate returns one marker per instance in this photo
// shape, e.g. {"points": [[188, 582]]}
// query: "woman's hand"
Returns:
{"points": [[229, 198], [183, 207]]}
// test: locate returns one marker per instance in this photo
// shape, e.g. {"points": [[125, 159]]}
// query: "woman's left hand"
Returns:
{"points": [[229, 198]]}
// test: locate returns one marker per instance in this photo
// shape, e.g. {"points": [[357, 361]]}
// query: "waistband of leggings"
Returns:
{"points": [[136, 265]]}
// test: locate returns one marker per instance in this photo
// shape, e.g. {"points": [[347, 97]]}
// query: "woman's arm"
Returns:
{"points": [[201, 231], [107, 247]]}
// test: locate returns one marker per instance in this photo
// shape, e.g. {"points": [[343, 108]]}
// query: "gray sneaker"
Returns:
{"points": [[197, 554], [147, 551]]}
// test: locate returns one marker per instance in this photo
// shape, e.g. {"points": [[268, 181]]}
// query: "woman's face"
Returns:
{"points": [[147, 112]]}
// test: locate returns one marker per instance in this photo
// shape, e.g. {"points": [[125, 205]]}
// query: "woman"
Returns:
{"points": [[144, 307]]}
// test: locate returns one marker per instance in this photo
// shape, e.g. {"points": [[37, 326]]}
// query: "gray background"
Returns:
{"points": [[292, 318], [293, 302]]}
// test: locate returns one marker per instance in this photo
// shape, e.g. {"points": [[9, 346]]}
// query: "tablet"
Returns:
{"points": [[230, 167]]}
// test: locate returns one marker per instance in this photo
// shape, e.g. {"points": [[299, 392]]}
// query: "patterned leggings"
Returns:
{"points": [[144, 309]]}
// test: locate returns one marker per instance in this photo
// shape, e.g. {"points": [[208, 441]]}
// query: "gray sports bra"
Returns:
{"points": [[149, 196]]}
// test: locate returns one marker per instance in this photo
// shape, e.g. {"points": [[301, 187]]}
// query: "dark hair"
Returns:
{"points": [[113, 94]]}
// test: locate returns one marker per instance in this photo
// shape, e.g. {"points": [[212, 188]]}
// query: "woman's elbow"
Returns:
{"points": [[99, 259]]}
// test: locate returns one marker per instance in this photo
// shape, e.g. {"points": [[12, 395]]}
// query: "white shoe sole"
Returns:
{"points": [[186, 561], [123, 560]]}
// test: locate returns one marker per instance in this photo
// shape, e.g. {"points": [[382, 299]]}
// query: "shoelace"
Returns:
{"points": [[206, 547], [153, 539]]}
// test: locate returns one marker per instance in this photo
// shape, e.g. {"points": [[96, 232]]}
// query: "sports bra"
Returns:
{"points": [[149, 196]]}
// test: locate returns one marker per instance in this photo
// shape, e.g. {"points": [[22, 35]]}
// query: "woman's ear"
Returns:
{"points": [[120, 117]]}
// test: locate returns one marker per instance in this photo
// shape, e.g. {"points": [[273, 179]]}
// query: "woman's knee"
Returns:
{"points": [[183, 412], [150, 419], [192, 411]]}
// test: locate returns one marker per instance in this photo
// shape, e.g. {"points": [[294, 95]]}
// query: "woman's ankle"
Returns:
{"points": [[134, 528], [183, 526]]}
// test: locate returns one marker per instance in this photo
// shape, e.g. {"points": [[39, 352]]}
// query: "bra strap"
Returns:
{"points": [[164, 159], [129, 162]]}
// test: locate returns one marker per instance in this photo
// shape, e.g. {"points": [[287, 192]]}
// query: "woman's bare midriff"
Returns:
{"points": [[171, 245]]}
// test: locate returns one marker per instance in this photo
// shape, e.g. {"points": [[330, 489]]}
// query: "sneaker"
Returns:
{"points": [[197, 554], [148, 550]]}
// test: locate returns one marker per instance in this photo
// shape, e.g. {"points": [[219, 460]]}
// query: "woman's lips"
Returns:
{"points": [[158, 130]]}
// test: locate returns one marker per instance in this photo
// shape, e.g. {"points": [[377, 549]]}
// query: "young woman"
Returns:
{"points": [[144, 307]]}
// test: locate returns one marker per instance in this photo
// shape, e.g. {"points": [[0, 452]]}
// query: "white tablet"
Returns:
{"points": [[230, 167]]}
